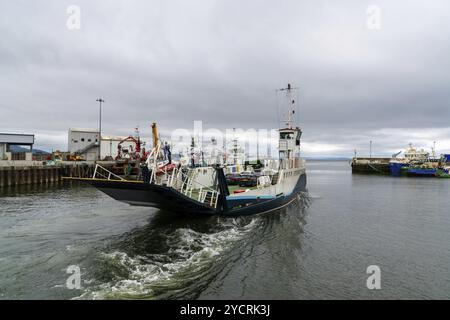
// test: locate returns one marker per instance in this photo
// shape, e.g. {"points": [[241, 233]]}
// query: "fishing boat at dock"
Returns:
{"points": [[204, 189], [418, 163]]}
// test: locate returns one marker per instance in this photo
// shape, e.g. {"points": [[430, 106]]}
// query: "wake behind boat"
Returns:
{"points": [[185, 188]]}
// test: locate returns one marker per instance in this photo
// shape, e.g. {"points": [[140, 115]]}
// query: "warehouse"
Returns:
{"points": [[15, 146]]}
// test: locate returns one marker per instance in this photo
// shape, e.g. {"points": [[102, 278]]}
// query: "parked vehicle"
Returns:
{"points": [[233, 178], [248, 179]]}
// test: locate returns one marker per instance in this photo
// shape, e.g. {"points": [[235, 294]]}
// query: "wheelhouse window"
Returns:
{"points": [[286, 135]]}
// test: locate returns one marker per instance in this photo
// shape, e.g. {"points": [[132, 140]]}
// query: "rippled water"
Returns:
{"points": [[319, 247]]}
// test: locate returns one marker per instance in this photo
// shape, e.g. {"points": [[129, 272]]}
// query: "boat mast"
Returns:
{"points": [[291, 103], [289, 139]]}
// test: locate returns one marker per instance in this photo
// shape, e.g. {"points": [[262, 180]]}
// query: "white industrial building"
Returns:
{"points": [[85, 142], [25, 141], [110, 145]]}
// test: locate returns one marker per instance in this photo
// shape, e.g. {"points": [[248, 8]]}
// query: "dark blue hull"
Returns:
{"points": [[419, 172], [164, 198], [395, 168]]}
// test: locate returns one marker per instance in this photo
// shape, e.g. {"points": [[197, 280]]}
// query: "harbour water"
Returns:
{"points": [[318, 248]]}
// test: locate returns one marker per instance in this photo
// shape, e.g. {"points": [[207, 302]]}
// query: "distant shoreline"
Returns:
{"points": [[327, 159]]}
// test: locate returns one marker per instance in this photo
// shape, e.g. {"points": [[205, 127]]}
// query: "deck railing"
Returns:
{"points": [[103, 173], [186, 184]]}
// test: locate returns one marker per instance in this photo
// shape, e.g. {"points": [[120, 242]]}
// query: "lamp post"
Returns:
{"points": [[100, 101], [370, 149], [434, 150]]}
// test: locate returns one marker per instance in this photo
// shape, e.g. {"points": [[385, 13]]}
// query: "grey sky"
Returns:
{"points": [[174, 62]]}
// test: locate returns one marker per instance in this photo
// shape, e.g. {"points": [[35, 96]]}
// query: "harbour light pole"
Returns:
{"points": [[100, 101], [370, 152], [434, 149]]}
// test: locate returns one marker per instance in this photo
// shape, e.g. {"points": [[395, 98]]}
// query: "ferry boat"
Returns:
{"points": [[204, 190]]}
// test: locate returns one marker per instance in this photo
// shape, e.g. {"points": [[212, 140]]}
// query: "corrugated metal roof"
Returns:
{"points": [[16, 138]]}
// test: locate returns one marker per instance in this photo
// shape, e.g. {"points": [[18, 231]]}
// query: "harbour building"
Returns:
{"points": [[16, 146], [90, 147]]}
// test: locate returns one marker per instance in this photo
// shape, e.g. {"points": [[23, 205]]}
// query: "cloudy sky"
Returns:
{"points": [[367, 70]]}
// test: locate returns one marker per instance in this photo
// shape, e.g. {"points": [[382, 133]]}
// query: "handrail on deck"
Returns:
{"points": [[107, 174], [187, 187], [185, 183]]}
